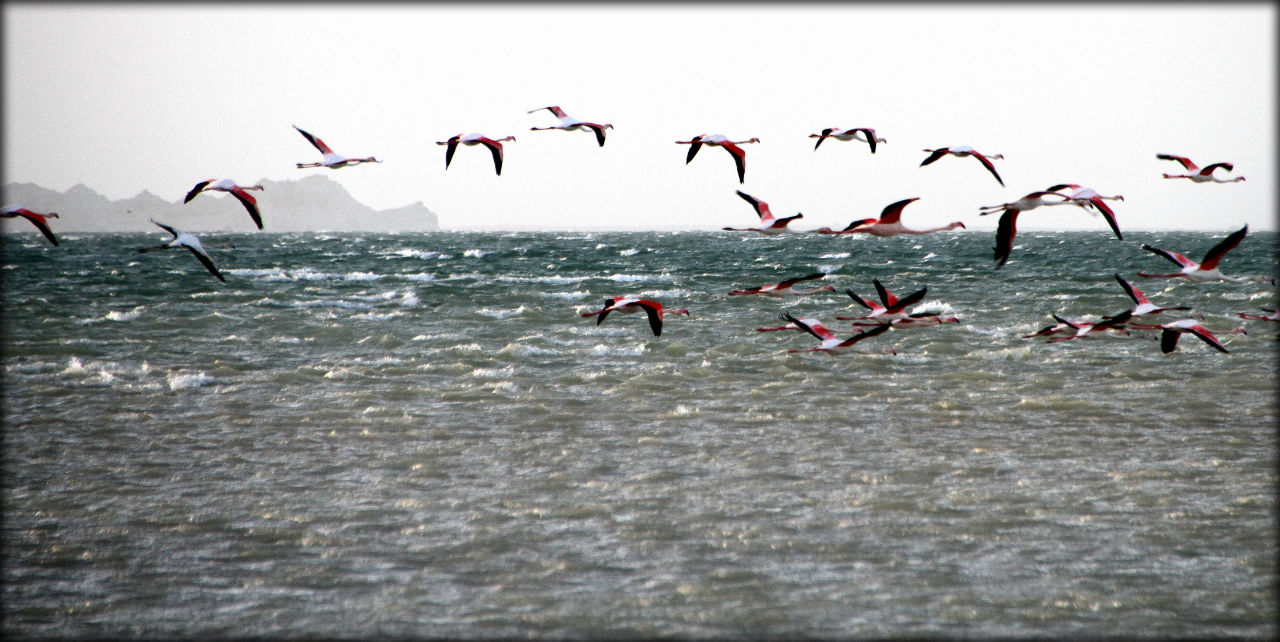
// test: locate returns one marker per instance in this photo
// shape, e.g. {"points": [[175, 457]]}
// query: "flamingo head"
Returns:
{"points": [[51, 215], [829, 288], [756, 140], [996, 157], [956, 224], [508, 138], [683, 311], [1239, 178]]}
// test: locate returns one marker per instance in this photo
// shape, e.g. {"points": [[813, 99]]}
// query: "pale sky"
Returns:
{"points": [[125, 98]]}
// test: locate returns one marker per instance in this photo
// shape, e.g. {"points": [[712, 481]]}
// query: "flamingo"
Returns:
{"points": [[830, 342], [1088, 198], [769, 225], [1271, 315], [331, 159], [962, 151], [720, 140], [1085, 328], [1171, 332], [785, 288], [39, 220], [1008, 225], [861, 134], [189, 241], [889, 223], [1144, 306], [227, 185], [889, 309], [471, 140], [1204, 175], [1206, 270], [569, 123], [631, 305]]}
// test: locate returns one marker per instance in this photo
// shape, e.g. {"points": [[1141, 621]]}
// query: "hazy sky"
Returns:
{"points": [[125, 98]]}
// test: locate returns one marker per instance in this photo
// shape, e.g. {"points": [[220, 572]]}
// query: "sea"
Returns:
{"points": [[369, 436]]}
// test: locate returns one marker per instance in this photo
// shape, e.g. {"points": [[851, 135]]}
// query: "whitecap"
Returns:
{"points": [[116, 315], [628, 252], [416, 254], [629, 278], [362, 276], [420, 276], [501, 314], [474, 253], [185, 381], [836, 255], [568, 296]]}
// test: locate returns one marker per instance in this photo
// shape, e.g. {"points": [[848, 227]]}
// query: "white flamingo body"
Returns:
{"points": [[785, 288], [1198, 174], [1083, 329], [241, 193], [889, 223], [1142, 305], [569, 123], [330, 158], [770, 225], [720, 140], [471, 140], [889, 309], [1171, 332], [41, 221], [1007, 228]]}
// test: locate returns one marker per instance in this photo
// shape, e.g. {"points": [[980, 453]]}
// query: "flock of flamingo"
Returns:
{"points": [[890, 312]]}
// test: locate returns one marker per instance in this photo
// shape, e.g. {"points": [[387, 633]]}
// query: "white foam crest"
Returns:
{"points": [[74, 367], [362, 276], [836, 255], [934, 306], [628, 252], [504, 372], [542, 279], [631, 278], [116, 315], [185, 381], [566, 296], [379, 316], [416, 254], [525, 350], [614, 350], [419, 276], [496, 313], [475, 253]]}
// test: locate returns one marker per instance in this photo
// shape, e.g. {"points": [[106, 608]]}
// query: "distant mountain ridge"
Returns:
{"points": [[312, 204]]}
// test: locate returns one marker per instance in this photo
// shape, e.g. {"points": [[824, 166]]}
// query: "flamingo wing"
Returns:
{"points": [[886, 297], [1107, 214], [41, 222], [986, 162], [654, 311], [250, 203], [599, 131], [823, 136], [761, 207], [196, 190], [1183, 160], [818, 331], [1005, 231], [167, 228], [450, 147], [495, 148], [693, 149], [1220, 250], [1208, 169], [892, 213], [808, 277], [1134, 293], [1172, 256], [206, 262], [739, 159], [937, 153], [866, 334], [871, 136], [319, 144], [907, 301]]}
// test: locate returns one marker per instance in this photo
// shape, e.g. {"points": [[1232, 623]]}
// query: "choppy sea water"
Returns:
{"points": [[418, 435]]}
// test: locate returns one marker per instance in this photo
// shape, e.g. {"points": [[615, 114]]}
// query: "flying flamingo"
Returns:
{"points": [[39, 220], [1171, 332], [1008, 225], [830, 342], [889, 309], [768, 223], [861, 134], [227, 185], [1087, 198], [569, 123], [183, 239], [1143, 306], [1271, 315], [785, 288], [1084, 328], [962, 151], [631, 305], [1206, 270], [889, 223], [1204, 175], [471, 140], [331, 160], [719, 140]]}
